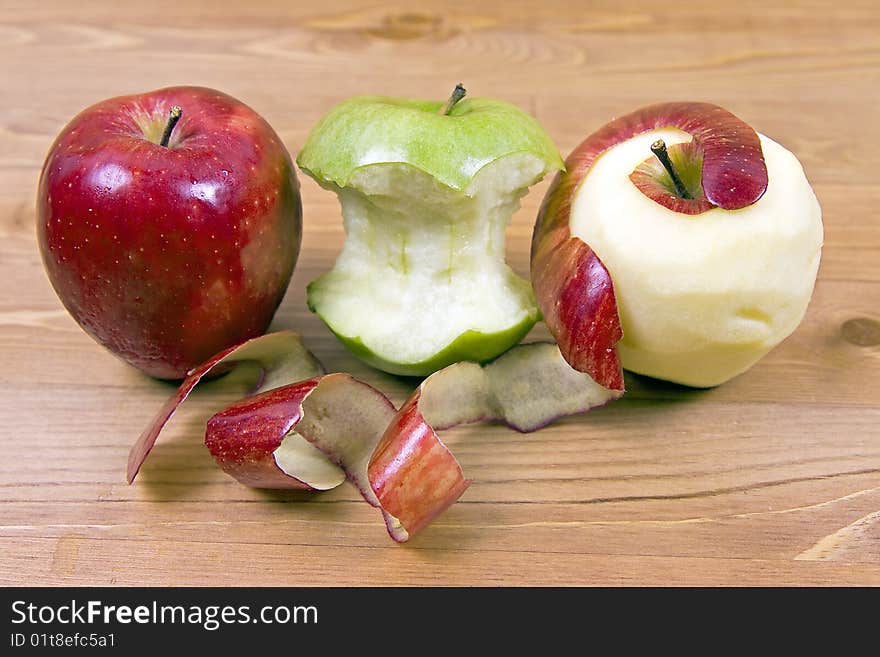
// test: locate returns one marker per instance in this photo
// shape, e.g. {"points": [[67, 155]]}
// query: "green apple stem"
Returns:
{"points": [[173, 117], [457, 94], [658, 148]]}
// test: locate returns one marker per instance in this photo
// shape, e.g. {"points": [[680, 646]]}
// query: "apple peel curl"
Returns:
{"points": [[281, 357], [314, 433], [526, 388], [343, 420]]}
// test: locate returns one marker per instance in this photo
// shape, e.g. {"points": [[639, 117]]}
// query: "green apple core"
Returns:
{"points": [[421, 281]]}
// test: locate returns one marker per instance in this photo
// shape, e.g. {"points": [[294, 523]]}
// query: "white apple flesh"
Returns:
{"points": [[701, 297], [423, 263]]}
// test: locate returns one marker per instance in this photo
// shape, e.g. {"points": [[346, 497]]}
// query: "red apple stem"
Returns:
{"points": [[658, 148], [173, 117], [457, 94]]}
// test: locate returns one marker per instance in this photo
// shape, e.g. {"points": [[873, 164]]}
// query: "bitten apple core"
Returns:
{"points": [[426, 190]]}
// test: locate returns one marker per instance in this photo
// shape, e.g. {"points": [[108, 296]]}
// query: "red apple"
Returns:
{"points": [[712, 242], [168, 248]]}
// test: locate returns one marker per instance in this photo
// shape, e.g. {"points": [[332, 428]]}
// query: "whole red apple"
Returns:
{"points": [[169, 234]]}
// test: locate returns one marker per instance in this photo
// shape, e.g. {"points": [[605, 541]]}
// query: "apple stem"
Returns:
{"points": [[457, 94], [658, 148], [173, 118]]}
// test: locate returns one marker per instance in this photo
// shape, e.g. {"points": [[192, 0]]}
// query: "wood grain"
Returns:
{"points": [[771, 479]]}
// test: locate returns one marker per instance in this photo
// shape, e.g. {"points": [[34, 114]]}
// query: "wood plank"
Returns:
{"points": [[127, 562]]}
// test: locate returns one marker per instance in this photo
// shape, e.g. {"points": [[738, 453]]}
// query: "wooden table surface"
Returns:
{"points": [[770, 479]]}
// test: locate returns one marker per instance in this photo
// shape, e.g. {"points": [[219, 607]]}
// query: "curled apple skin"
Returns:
{"points": [[394, 458], [244, 438], [310, 431], [530, 386], [412, 473], [313, 433], [281, 357]]}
